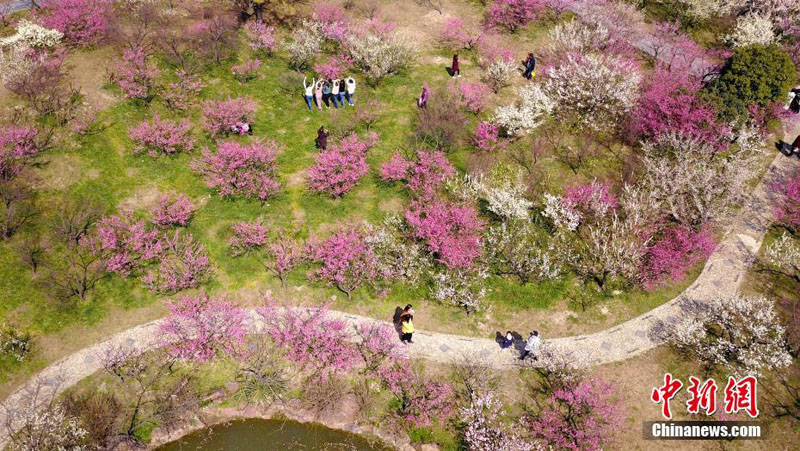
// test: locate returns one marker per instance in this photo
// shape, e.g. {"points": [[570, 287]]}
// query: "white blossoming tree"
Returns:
{"points": [[576, 36], [460, 288], [527, 113], [752, 29], [517, 248], [304, 44], [735, 332], [485, 430], [379, 55], [33, 35]]}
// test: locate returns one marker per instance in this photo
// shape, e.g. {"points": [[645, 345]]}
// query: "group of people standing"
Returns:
{"points": [[326, 92]]}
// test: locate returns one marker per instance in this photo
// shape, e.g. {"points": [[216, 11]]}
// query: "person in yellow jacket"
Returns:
{"points": [[407, 329]]}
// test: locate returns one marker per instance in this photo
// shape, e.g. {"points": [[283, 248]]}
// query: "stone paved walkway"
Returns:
{"points": [[721, 276]]}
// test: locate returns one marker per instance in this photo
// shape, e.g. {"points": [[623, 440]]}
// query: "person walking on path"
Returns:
{"points": [[350, 90], [531, 346], [407, 329], [335, 93], [422, 102], [309, 91], [326, 94], [322, 138], [318, 93], [530, 66], [455, 68]]}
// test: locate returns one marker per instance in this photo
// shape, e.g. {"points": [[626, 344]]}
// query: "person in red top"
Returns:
{"points": [[455, 69]]}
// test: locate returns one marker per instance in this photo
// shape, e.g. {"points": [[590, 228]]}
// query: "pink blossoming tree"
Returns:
{"points": [[246, 71], [592, 201], [473, 96], [513, 14], [173, 211], [127, 243], [334, 68], [487, 137], [222, 117], [378, 346], [184, 264], [458, 34], [283, 255], [423, 176], [18, 147], [311, 339], [578, 416], [260, 37], [346, 259], [83, 22], [243, 170], [339, 168], [787, 204], [452, 233], [162, 136], [334, 21], [136, 77], [421, 400], [248, 237], [199, 328], [183, 93], [675, 252]]}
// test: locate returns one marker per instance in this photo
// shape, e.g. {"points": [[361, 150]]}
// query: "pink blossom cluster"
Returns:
{"points": [[173, 211], [592, 201], [458, 34], [246, 71], [678, 249], [262, 38], [335, 24], [346, 259], [183, 92], [135, 76], [311, 339], [83, 22], [787, 204], [184, 264], [200, 328], [452, 233], [513, 14], [423, 176], [422, 400], [578, 416], [378, 345], [220, 117], [377, 26], [487, 137], [162, 136], [127, 243], [339, 168], [670, 103], [17, 147], [248, 236], [491, 49], [334, 68], [286, 254], [244, 170], [473, 96]]}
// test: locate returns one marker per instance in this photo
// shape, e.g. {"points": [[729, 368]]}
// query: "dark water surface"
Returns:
{"points": [[278, 435]]}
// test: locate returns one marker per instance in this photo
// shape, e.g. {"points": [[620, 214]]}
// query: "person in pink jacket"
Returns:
{"points": [[318, 93]]}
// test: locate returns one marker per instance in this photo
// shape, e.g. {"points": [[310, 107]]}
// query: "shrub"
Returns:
{"points": [[83, 22], [753, 75], [244, 170], [173, 211], [441, 124], [339, 168], [223, 117], [15, 344], [162, 136]]}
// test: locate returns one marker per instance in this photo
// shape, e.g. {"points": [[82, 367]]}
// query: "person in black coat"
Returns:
{"points": [[530, 66], [322, 138]]}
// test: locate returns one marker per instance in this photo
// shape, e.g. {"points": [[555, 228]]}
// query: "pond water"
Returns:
{"points": [[280, 435]]}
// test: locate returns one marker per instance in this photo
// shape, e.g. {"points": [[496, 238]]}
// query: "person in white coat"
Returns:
{"points": [[309, 91], [531, 346], [335, 93], [350, 90]]}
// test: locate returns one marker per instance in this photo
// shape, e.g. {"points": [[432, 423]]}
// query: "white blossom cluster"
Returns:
{"points": [[379, 55], [397, 259], [484, 429], [504, 197], [49, 429], [32, 35], [752, 29], [704, 9], [576, 36], [15, 62], [593, 90], [499, 73], [304, 44], [784, 254], [561, 214], [460, 288], [514, 248], [738, 332], [527, 113]]}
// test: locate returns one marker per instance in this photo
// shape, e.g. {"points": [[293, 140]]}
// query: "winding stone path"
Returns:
{"points": [[722, 275]]}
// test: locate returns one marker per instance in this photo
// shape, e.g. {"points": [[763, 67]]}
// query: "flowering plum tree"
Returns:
{"points": [[173, 211], [244, 170], [462, 288], [306, 41], [424, 176], [334, 68], [487, 137], [527, 113], [248, 237], [162, 136], [183, 264], [452, 233], [458, 34], [199, 328], [737, 333], [135, 76], [339, 168], [182, 93], [421, 400], [222, 117], [378, 345], [675, 252], [18, 147], [577, 416], [513, 14], [379, 54], [752, 29], [83, 22], [484, 427], [127, 243], [334, 21], [311, 339], [787, 205], [260, 37], [473, 96], [246, 71], [283, 255], [346, 259]]}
